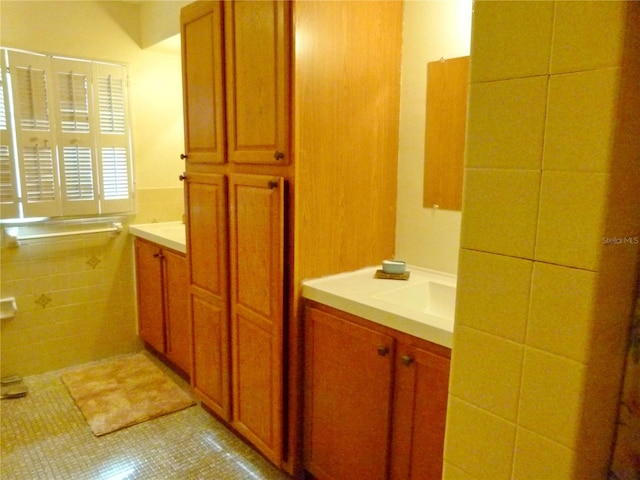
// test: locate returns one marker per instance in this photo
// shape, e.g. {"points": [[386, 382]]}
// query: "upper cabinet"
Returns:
{"points": [[236, 80], [203, 83], [257, 71]]}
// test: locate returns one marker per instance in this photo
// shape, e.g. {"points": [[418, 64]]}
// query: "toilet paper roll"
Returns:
{"points": [[8, 308]]}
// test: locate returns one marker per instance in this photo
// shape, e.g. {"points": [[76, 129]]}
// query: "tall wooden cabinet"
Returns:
{"points": [[291, 133]]}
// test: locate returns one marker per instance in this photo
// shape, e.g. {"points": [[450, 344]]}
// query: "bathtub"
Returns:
{"points": [[422, 306]]}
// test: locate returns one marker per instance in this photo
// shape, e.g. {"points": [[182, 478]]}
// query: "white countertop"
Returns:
{"points": [[390, 302], [168, 234]]}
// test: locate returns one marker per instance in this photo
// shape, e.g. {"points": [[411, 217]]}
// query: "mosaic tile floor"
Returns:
{"points": [[44, 436]]}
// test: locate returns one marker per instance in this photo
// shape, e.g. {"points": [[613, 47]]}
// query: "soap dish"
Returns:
{"points": [[392, 276]]}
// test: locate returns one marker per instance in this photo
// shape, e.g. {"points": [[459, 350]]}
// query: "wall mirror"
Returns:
{"points": [[447, 89]]}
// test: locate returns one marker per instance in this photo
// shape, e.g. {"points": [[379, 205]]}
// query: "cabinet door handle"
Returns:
{"points": [[158, 255], [183, 156], [407, 360], [278, 155], [383, 350], [272, 184]]}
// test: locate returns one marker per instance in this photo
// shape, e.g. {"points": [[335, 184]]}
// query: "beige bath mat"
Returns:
{"points": [[123, 392]]}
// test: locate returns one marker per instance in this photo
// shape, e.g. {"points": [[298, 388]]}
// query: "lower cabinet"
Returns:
{"points": [[375, 400], [162, 284]]}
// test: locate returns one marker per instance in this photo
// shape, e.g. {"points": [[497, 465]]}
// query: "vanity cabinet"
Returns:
{"points": [[163, 321], [375, 400], [269, 203]]}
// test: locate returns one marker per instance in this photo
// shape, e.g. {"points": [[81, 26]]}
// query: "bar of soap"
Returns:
{"points": [[393, 266]]}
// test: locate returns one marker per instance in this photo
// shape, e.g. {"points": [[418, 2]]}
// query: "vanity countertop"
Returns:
{"points": [[168, 234], [422, 306]]}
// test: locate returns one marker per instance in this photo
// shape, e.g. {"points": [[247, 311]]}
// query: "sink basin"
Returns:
{"points": [[422, 306], [432, 298]]}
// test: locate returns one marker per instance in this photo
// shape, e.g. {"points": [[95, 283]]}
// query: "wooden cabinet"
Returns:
{"points": [[375, 400], [163, 321], [208, 244], [270, 203], [257, 277], [236, 83]]}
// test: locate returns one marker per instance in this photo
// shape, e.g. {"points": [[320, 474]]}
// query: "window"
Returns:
{"points": [[65, 144]]}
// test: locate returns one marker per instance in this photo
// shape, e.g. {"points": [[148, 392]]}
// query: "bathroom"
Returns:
{"points": [[85, 313]]}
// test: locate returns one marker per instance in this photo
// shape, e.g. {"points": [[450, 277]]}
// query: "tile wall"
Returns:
{"points": [[549, 240], [75, 295], [75, 298]]}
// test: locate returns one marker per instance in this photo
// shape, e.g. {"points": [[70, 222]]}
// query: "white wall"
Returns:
{"points": [[432, 29]]}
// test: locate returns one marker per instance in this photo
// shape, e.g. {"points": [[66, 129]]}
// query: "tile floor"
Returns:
{"points": [[44, 436]]}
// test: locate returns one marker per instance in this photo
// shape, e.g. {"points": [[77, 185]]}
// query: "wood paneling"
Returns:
{"points": [[447, 90], [178, 329], [347, 74], [256, 205], [207, 240], [257, 91], [348, 398], [150, 294], [203, 87]]}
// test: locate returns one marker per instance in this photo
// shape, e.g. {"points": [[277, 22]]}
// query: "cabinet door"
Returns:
{"points": [[422, 382], [258, 77], [348, 385], [149, 283], [209, 289], [178, 330], [256, 246], [203, 82]]}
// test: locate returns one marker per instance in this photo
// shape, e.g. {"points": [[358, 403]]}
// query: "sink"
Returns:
{"points": [[422, 305], [432, 298]]}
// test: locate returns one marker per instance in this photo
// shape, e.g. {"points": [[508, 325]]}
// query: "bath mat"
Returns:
{"points": [[123, 392]]}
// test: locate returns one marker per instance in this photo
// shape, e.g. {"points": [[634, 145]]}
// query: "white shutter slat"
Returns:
{"points": [[78, 173], [115, 153], [111, 104], [76, 130], [39, 174], [9, 206], [73, 98], [35, 137]]}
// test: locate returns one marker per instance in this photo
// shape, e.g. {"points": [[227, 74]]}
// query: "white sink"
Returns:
{"points": [[423, 305], [432, 298]]}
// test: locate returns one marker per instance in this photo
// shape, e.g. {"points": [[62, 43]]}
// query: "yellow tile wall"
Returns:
{"points": [[544, 300], [75, 299]]}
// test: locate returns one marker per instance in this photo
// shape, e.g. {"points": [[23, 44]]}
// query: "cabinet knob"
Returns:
{"points": [[383, 350], [183, 156], [158, 255], [272, 184], [182, 177], [407, 360], [278, 155]]}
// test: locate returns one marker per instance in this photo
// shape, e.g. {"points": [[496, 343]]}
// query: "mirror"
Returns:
{"points": [[447, 89]]}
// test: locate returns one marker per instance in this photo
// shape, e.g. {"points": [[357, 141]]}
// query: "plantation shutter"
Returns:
{"points": [[9, 206], [36, 147], [113, 143], [76, 147]]}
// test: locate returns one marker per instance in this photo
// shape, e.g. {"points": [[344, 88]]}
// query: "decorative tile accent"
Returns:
{"points": [[43, 300], [93, 261]]}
